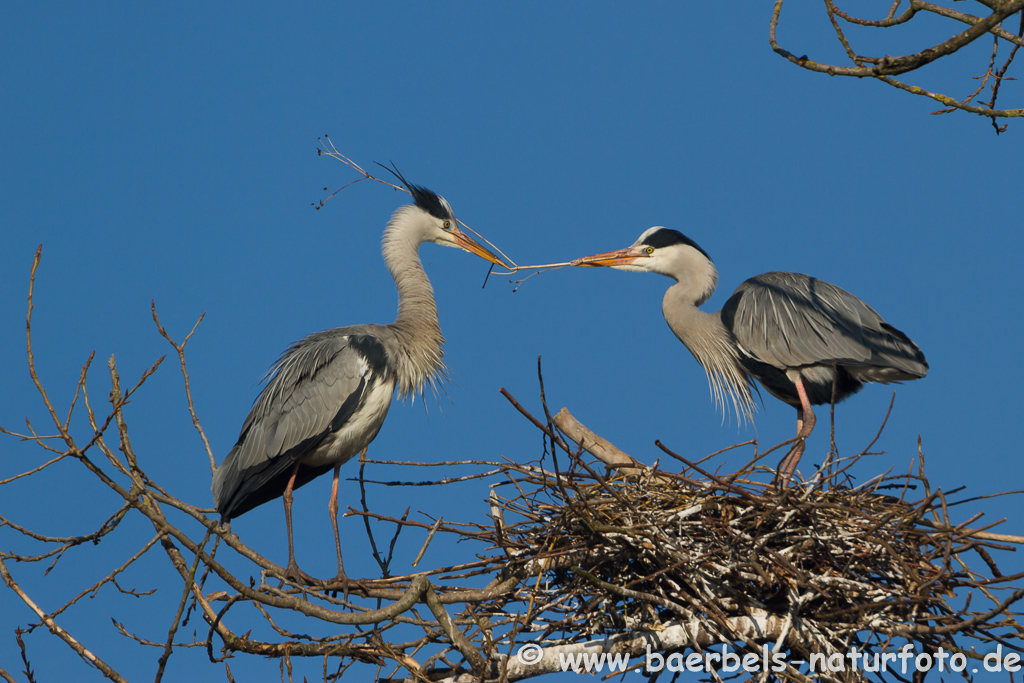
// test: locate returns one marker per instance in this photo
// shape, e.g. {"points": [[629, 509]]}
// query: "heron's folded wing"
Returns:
{"points": [[315, 388], [788, 320]]}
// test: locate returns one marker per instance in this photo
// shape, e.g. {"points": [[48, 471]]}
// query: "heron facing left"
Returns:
{"points": [[807, 341], [328, 394]]}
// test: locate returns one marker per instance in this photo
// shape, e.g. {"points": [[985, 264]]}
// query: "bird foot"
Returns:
{"points": [[344, 584], [297, 576]]}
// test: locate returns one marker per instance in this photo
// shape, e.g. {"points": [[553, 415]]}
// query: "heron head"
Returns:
{"points": [[667, 252], [440, 225], [657, 250]]}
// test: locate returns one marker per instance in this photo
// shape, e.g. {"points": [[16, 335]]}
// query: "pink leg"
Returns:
{"points": [[332, 509], [805, 422], [292, 571]]}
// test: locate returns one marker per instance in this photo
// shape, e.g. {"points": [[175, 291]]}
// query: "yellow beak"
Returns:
{"points": [[620, 257], [467, 243]]}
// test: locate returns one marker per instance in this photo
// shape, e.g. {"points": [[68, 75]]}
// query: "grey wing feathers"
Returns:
{"points": [[790, 320], [313, 388]]}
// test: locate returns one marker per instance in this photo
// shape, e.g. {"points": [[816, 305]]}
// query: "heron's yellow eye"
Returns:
{"points": [[649, 250], [447, 224]]}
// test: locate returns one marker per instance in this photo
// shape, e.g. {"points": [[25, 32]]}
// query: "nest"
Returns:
{"points": [[819, 567]]}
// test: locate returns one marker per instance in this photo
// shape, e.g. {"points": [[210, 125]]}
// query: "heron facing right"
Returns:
{"points": [[328, 394], [805, 340]]}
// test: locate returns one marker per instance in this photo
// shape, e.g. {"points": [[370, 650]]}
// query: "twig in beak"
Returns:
{"points": [[511, 264], [538, 271], [327, 148]]}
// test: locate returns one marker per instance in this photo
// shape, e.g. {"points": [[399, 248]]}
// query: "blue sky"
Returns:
{"points": [[168, 153]]}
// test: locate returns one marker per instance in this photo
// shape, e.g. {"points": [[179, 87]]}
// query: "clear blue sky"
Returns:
{"points": [[168, 153]]}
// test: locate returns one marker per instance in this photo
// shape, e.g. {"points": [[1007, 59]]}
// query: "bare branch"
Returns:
{"points": [[180, 349], [80, 649], [886, 68], [571, 560]]}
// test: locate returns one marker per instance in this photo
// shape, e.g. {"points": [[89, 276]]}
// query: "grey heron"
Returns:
{"points": [[800, 337], [326, 397]]}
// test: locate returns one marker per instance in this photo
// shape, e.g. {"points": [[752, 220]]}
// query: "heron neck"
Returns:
{"points": [[707, 338], [419, 356]]}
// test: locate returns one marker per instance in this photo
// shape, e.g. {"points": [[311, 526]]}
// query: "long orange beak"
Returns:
{"points": [[467, 243], [610, 258]]}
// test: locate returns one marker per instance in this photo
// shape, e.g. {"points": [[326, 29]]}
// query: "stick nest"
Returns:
{"points": [[821, 566]]}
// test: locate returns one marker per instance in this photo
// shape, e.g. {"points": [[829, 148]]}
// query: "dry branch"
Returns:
{"points": [[885, 68], [569, 555]]}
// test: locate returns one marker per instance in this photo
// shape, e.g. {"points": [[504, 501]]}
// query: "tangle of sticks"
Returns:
{"points": [[578, 548]]}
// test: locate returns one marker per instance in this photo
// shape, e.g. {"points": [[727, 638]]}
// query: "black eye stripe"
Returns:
{"points": [[667, 237], [430, 202]]}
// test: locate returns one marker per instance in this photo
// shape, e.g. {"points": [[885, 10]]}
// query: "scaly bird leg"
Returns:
{"points": [[805, 422], [292, 571], [332, 509]]}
